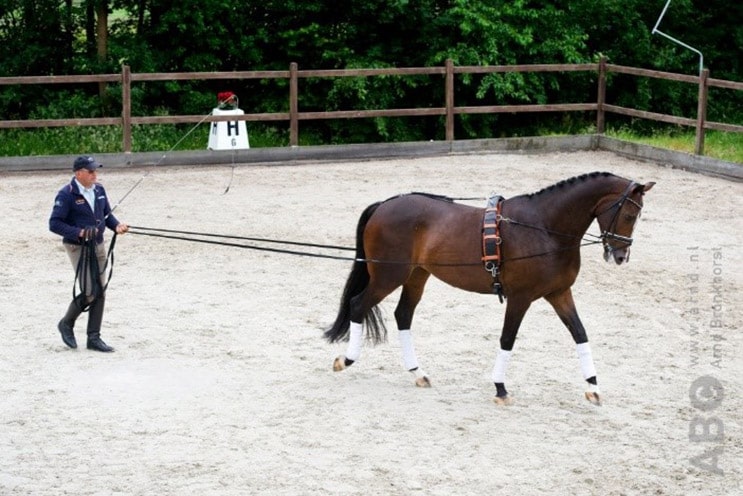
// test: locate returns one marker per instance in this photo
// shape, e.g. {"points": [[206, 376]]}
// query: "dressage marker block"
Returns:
{"points": [[228, 135]]}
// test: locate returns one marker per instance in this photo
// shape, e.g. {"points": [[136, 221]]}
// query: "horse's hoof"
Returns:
{"points": [[339, 364], [503, 400], [422, 382], [593, 398], [421, 379]]}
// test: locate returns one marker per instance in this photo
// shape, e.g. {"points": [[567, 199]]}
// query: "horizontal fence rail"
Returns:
{"points": [[126, 79]]}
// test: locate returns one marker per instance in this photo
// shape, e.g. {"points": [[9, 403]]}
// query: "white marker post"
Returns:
{"points": [[228, 135]]}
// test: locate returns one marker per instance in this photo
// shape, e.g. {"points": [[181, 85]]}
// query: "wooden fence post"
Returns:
{"points": [[126, 108], [601, 97], [701, 112], [293, 105], [449, 90]]}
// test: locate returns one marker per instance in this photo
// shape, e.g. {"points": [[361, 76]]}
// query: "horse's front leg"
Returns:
{"points": [[515, 311], [564, 305]]}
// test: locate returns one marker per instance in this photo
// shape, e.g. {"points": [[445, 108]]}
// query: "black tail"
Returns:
{"points": [[357, 281]]}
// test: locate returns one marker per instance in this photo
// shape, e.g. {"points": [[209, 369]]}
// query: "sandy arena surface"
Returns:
{"points": [[222, 385]]}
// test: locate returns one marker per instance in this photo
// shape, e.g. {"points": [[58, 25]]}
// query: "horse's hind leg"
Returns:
{"points": [[355, 332], [353, 350], [363, 310], [565, 307], [412, 291]]}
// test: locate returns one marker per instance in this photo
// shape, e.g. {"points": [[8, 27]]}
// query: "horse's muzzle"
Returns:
{"points": [[620, 255]]}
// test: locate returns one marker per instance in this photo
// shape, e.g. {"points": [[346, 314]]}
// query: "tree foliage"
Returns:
{"points": [[45, 37]]}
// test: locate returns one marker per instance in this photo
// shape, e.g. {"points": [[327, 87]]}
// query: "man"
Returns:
{"points": [[80, 215]]}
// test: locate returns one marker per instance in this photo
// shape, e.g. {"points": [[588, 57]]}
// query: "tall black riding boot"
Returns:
{"points": [[95, 318], [67, 324]]}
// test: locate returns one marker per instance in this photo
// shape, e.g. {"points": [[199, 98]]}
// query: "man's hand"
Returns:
{"points": [[122, 228], [87, 233]]}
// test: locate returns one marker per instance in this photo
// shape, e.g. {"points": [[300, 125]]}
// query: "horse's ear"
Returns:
{"points": [[642, 188]]}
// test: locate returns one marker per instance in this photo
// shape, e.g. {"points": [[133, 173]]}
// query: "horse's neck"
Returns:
{"points": [[571, 209]]}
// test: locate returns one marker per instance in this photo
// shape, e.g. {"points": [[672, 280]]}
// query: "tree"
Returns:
{"points": [[64, 37]]}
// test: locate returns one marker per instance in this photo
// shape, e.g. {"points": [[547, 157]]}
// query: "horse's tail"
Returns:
{"points": [[357, 281]]}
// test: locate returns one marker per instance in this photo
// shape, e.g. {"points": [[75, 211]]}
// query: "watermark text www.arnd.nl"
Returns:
{"points": [[705, 311]]}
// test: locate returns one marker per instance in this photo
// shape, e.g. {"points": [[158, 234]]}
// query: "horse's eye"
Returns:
{"points": [[630, 218]]}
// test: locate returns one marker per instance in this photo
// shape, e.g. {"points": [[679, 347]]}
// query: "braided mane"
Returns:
{"points": [[570, 181]]}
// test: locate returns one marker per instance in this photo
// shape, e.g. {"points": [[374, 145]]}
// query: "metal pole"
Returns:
{"points": [[658, 31], [703, 76]]}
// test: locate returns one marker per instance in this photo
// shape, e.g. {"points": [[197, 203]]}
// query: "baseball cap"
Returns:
{"points": [[85, 163]]}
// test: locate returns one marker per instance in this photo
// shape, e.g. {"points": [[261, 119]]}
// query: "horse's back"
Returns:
{"points": [[432, 232], [423, 218]]}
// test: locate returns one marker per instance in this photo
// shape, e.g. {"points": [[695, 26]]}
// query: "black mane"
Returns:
{"points": [[570, 182]]}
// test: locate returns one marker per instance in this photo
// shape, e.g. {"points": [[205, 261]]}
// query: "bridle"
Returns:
{"points": [[609, 234]]}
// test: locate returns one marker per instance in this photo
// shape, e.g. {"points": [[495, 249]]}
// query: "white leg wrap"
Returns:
{"points": [[408, 350], [419, 373], [501, 364], [586, 360], [355, 333]]}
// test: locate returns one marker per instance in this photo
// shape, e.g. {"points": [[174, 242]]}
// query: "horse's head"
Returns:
{"points": [[617, 221]]}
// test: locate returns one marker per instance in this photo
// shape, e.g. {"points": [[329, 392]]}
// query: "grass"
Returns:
{"points": [[107, 139], [720, 145]]}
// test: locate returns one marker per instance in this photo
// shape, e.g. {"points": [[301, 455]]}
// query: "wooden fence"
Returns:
{"points": [[449, 110]]}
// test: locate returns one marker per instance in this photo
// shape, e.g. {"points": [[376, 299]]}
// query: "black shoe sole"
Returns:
{"points": [[107, 349]]}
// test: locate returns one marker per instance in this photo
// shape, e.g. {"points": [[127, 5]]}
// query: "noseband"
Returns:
{"points": [[609, 234]]}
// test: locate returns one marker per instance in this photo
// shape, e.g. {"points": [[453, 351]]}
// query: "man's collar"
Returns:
{"points": [[82, 188]]}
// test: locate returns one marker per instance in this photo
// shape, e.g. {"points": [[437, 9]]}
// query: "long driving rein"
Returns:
{"points": [[189, 236]]}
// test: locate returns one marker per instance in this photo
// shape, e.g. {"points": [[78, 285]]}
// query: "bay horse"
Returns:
{"points": [[407, 238]]}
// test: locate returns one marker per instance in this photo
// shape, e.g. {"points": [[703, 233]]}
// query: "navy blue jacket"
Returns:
{"points": [[71, 213]]}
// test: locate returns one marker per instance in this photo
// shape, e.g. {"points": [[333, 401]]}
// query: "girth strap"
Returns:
{"points": [[491, 242]]}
